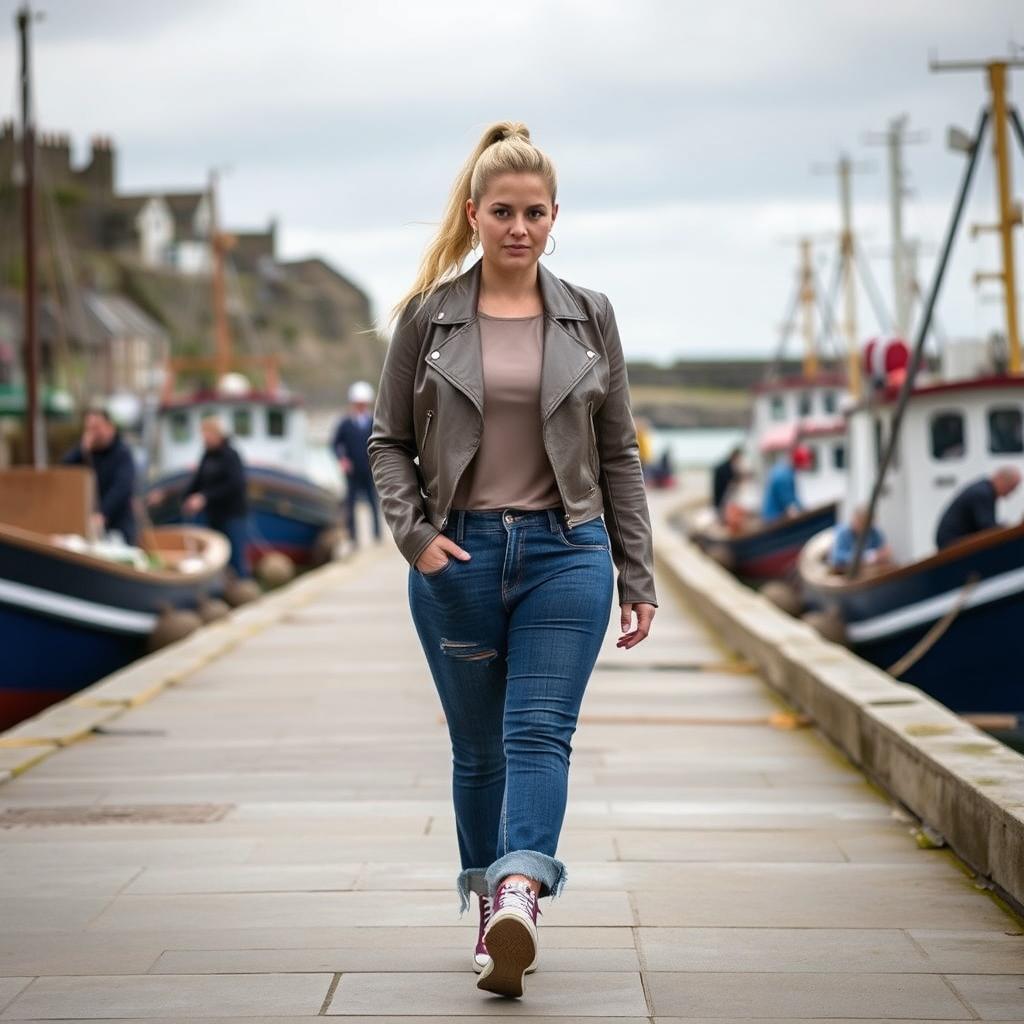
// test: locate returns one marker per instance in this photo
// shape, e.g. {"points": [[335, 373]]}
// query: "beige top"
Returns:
{"points": [[511, 467]]}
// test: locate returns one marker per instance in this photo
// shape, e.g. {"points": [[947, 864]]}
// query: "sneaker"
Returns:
{"points": [[481, 958], [510, 937]]}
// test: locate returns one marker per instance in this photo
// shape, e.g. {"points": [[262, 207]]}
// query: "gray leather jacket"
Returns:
{"points": [[428, 420]]}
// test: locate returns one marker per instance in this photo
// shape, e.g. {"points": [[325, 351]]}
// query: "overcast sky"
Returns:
{"points": [[685, 133]]}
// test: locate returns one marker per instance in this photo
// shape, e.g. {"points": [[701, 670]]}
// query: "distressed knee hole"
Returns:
{"points": [[466, 650]]}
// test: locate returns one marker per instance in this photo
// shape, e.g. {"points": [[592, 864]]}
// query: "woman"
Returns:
{"points": [[505, 457]]}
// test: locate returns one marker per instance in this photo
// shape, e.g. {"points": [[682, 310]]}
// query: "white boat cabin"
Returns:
{"points": [[805, 411], [953, 433], [267, 430]]}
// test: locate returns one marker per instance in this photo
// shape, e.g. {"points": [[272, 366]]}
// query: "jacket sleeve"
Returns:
{"points": [[622, 479], [391, 447], [119, 493]]}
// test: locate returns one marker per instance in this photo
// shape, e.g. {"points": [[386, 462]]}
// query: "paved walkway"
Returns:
{"points": [[296, 858]]}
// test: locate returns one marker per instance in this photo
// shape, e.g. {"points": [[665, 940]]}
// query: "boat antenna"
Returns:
{"points": [[34, 434]]}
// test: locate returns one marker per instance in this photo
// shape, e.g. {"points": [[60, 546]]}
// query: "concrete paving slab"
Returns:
{"points": [[169, 995], [803, 996], [820, 950], [10, 987], [992, 997], [401, 957], [972, 952], [245, 878], [551, 994], [820, 896]]}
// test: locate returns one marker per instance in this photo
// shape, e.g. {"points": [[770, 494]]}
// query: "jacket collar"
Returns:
{"points": [[457, 356], [458, 302]]}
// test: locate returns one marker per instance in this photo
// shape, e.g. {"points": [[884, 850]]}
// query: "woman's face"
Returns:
{"points": [[513, 219]]}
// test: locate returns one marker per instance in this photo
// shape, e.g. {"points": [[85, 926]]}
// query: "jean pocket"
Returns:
{"points": [[434, 573], [589, 536]]}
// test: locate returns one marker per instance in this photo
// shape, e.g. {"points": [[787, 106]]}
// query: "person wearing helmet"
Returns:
{"points": [[349, 446], [780, 494]]}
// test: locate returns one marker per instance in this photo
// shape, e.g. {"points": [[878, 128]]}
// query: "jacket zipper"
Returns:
{"points": [[430, 416]]}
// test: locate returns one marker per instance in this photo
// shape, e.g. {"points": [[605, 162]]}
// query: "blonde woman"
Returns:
{"points": [[505, 457]]}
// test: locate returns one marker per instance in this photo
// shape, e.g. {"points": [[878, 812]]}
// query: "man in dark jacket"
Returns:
{"points": [[111, 460], [726, 473], [217, 490], [974, 508], [349, 446]]}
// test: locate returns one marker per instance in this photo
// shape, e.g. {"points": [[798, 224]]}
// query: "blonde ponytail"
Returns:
{"points": [[503, 148]]}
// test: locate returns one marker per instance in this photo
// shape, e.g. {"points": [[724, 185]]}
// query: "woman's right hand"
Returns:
{"points": [[436, 554]]}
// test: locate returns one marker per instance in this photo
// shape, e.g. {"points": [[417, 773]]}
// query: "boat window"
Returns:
{"points": [[828, 399], [181, 427], [1005, 433], [839, 456], [804, 404], [241, 422], [947, 436], [275, 422], [778, 407]]}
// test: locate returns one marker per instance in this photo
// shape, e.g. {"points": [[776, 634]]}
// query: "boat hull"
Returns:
{"points": [[770, 552], [287, 512], [67, 619], [975, 664]]}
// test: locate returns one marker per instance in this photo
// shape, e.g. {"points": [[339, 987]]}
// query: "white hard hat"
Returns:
{"points": [[360, 392]]}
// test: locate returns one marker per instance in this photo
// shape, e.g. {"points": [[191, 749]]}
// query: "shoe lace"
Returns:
{"points": [[517, 895]]}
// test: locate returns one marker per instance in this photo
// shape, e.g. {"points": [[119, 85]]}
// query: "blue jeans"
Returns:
{"points": [[511, 638], [236, 530]]}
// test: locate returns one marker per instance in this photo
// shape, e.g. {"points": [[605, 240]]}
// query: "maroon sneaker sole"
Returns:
{"points": [[513, 949]]}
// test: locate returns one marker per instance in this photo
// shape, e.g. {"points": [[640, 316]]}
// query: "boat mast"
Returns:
{"points": [[222, 330], [808, 300], [1009, 212], [903, 254], [33, 421]]}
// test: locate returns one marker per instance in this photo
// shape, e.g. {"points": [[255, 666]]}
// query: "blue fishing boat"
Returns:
{"points": [[69, 617]]}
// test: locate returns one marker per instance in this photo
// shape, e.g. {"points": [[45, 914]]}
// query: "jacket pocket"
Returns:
{"points": [[594, 458]]}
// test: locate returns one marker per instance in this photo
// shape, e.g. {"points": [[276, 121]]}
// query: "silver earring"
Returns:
{"points": [[554, 244], [474, 241]]}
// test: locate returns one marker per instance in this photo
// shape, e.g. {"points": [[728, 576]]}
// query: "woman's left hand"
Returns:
{"points": [[644, 618]]}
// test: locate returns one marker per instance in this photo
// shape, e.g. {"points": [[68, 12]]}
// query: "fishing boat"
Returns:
{"points": [[289, 513], [74, 607], [73, 611], [949, 620], [788, 412]]}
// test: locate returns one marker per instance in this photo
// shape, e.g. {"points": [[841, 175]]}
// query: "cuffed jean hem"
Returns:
{"points": [[470, 880], [551, 873]]}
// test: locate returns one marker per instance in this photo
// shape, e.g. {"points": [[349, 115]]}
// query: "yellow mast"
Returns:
{"points": [[1009, 211], [807, 302]]}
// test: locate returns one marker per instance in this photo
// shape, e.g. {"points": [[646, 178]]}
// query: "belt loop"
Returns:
{"points": [[460, 523], [553, 520]]}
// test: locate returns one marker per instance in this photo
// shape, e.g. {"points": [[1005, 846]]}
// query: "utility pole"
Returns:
{"points": [[222, 330], [903, 258], [1009, 209], [34, 431]]}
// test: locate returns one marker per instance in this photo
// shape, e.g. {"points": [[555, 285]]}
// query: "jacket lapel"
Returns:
{"points": [[458, 356]]}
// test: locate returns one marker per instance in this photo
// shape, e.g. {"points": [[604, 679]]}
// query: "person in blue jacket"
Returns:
{"points": [[349, 447], [780, 493], [844, 544], [111, 460]]}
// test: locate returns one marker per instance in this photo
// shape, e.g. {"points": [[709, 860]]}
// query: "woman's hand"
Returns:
{"points": [[644, 618], [436, 554]]}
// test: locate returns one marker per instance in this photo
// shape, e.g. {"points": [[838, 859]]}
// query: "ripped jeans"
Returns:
{"points": [[511, 637]]}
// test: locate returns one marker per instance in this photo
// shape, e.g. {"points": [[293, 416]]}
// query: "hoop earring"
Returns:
{"points": [[474, 242], [554, 245]]}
